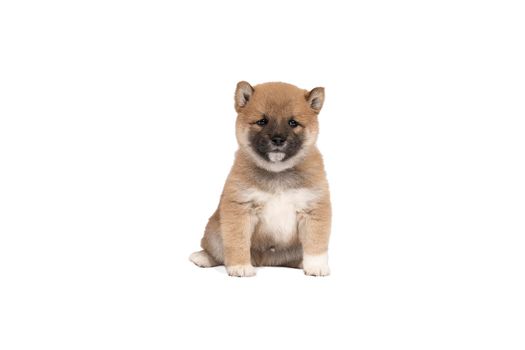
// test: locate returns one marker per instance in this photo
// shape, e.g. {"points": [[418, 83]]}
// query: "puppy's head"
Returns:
{"points": [[277, 123]]}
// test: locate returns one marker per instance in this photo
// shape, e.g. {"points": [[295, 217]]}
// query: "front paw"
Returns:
{"points": [[316, 265], [241, 270]]}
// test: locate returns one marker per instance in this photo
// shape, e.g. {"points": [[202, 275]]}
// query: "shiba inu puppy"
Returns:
{"points": [[275, 207]]}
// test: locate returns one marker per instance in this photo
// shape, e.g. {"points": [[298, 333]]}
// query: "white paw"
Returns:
{"points": [[202, 259], [316, 265], [241, 270]]}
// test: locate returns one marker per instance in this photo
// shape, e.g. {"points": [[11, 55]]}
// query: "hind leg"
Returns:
{"points": [[203, 259], [212, 253]]}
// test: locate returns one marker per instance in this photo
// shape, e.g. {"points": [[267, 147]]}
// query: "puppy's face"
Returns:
{"points": [[277, 122]]}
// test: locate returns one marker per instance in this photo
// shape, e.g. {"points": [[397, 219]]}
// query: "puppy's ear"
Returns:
{"points": [[315, 98], [243, 93]]}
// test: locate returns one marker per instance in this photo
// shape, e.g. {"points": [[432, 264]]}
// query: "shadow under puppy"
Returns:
{"points": [[275, 207]]}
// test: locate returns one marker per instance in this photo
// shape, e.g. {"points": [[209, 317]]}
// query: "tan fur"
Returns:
{"points": [[235, 234]]}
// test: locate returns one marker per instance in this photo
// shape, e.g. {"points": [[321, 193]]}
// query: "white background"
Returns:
{"points": [[117, 133]]}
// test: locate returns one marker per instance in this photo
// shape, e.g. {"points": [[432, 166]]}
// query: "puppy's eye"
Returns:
{"points": [[262, 122], [293, 123]]}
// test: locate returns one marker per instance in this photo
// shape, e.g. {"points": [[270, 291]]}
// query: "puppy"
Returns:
{"points": [[275, 207]]}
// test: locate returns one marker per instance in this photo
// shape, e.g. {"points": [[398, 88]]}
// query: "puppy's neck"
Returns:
{"points": [[304, 173]]}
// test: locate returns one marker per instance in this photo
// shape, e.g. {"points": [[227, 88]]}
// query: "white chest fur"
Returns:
{"points": [[277, 212]]}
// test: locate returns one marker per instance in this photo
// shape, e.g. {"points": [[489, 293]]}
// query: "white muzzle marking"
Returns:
{"points": [[276, 156]]}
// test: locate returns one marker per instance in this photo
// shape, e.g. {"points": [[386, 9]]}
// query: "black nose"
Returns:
{"points": [[278, 140]]}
